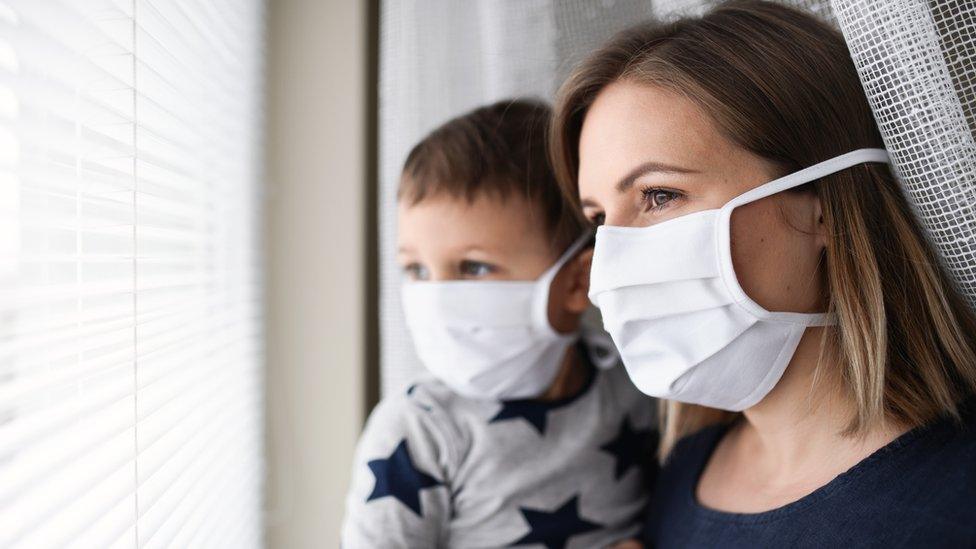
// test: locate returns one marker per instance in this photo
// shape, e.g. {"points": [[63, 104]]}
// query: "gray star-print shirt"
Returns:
{"points": [[436, 469]]}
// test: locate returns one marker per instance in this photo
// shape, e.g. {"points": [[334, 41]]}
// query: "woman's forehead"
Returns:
{"points": [[630, 124]]}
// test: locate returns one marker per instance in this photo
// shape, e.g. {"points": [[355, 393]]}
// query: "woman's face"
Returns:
{"points": [[648, 155]]}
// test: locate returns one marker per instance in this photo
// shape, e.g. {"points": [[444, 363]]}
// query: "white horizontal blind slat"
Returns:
{"points": [[67, 348], [131, 390], [198, 281]]}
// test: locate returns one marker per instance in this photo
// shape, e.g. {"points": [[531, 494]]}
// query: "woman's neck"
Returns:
{"points": [[804, 417], [792, 442], [802, 409]]}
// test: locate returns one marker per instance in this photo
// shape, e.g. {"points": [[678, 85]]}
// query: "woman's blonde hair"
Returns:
{"points": [[780, 83]]}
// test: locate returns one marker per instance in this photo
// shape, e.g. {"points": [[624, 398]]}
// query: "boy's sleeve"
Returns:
{"points": [[400, 493]]}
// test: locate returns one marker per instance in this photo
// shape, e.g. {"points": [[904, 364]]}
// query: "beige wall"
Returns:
{"points": [[317, 145]]}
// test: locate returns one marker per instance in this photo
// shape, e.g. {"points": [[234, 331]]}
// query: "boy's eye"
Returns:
{"points": [[475, 268], [655, 198], [416, 271]]}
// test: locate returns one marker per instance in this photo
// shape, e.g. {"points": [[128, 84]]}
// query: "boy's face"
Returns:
{"points": [[447, 238]]}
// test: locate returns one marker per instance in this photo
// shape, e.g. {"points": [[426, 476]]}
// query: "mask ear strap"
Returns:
{"points": [[570, 252], [723, 227], [600, 348], [812, 173], [542, 284]]}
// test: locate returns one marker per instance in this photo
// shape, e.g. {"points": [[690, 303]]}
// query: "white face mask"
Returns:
{"points": [[488, 339], [684, 327]]}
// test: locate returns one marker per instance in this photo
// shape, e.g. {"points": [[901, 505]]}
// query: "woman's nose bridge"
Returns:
{"points": [[617, 214], [613, 217]]}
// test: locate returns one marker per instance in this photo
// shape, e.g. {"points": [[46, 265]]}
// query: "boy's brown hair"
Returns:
{"points": [[499, 151]]}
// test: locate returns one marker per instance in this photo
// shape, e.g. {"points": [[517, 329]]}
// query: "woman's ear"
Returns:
{"points": [[803, 211], [818, 223]]}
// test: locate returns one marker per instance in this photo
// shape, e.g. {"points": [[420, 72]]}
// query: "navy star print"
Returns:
{"points": [[532, 411], [536, 411], [398, 477], [553, 529], [629, 448]]}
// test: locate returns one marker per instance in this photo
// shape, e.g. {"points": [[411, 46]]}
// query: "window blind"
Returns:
{"points": [[131, 403]]}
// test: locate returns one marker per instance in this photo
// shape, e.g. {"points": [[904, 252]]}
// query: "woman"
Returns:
{"points": [[817, 360]]}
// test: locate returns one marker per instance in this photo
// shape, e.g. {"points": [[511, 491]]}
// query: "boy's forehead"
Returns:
{"points": [[486, 222]]}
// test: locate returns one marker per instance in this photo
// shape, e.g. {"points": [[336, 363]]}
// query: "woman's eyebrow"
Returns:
{"points": [[648, 167]]}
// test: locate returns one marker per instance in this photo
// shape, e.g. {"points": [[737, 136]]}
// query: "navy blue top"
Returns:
{"points": [[918, 491]]}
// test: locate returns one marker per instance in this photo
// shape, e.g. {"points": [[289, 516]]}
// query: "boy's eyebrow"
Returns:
{"points": [[627, 181], [476, 248], [471, 248]]}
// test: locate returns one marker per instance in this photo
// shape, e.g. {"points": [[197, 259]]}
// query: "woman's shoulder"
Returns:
{"points": [[683, 463], [923, 483], [696, 446], [944, 452], [947, 439]]}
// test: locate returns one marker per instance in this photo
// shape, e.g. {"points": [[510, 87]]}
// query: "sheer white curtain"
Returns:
{"points": [[917, 61], [439, 58], [130, 313]]}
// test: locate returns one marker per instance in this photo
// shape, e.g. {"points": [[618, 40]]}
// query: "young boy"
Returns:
{"points": [[516, 438]]}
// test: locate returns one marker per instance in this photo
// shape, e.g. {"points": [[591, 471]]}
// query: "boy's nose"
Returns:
{"points": [[443, 274]]}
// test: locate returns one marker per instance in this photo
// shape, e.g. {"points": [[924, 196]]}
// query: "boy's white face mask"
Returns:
{"points": [[488, 339], [684, 327]]}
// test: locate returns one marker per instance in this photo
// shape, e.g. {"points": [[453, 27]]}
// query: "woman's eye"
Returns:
{"points": [[475, 268], [598, 219], [415, 271], [657, 198]]}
